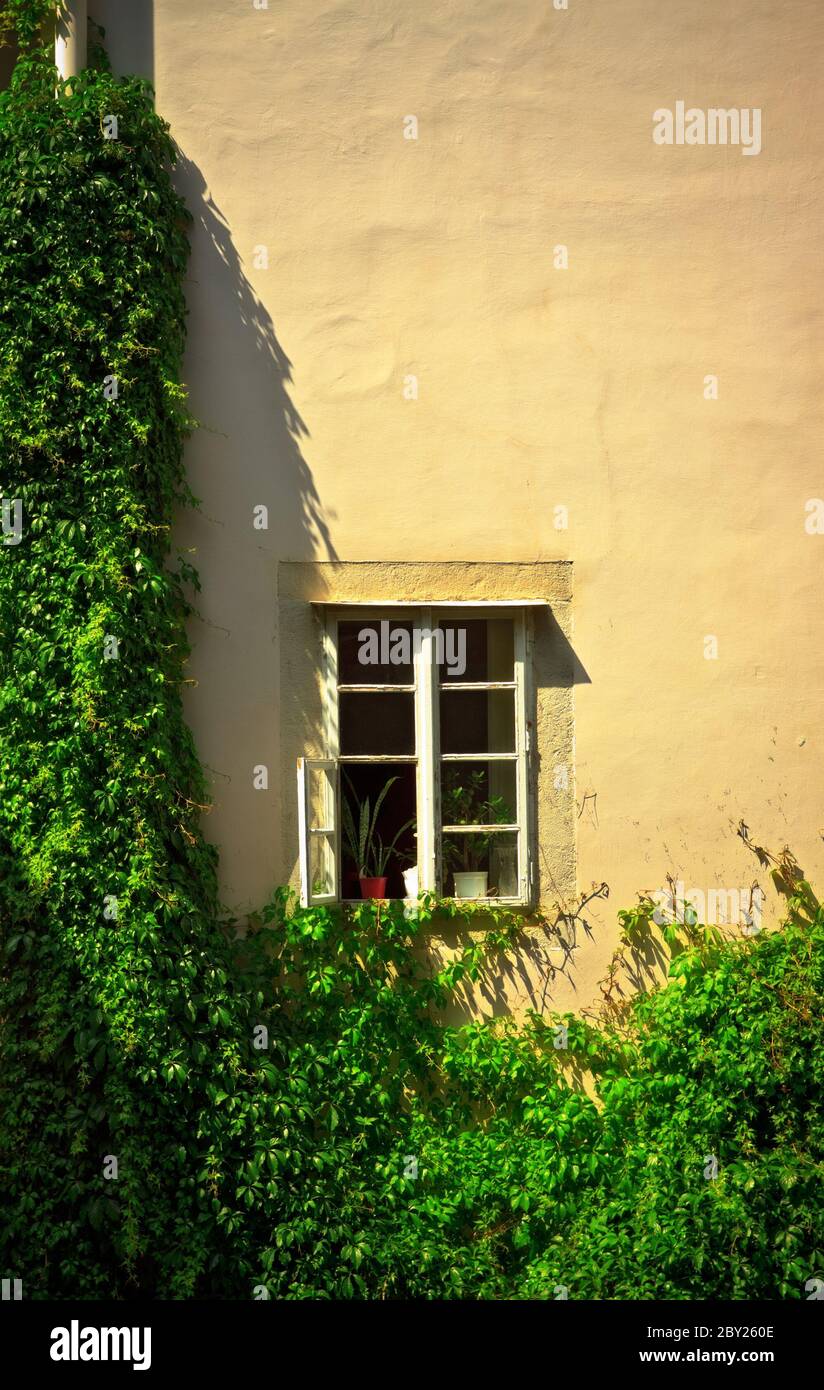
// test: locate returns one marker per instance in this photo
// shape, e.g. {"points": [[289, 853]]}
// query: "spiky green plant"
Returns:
{"points": [[364, 844]]}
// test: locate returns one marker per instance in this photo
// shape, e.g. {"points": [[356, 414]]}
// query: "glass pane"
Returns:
{"points": [[372, 652], [477, 721], [322, 798], [481, 866], [478, 649], [377, 723], [479, 793], [390, 789], [322, 866]]}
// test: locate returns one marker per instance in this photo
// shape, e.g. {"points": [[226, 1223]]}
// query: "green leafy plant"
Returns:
{"points": [[364, 844], [464, 803], [115, 973]]}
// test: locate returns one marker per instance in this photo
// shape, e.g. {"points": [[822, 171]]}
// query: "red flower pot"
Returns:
{"points": [[373, 887]]}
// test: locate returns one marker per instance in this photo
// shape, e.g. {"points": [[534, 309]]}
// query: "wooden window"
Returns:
{"points": [[426, 711]]}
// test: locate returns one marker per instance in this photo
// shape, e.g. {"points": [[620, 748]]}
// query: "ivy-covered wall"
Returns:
{"points": [[188, 1115], [108, 892]]}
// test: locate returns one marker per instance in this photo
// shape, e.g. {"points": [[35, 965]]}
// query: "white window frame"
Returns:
{"points": [[427, 755], [329, 829]]}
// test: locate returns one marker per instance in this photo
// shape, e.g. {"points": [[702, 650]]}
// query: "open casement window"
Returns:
{"points": [[318, 821], [426, 714]]}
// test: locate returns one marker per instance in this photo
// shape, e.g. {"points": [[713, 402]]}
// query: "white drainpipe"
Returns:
{"points": [[70, 38]]}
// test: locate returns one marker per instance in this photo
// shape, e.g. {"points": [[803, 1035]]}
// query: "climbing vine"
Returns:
{"points": [[108, 890]]}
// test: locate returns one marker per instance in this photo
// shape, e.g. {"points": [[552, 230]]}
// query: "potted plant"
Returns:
{"points": [[363, 843], [464, 804]]}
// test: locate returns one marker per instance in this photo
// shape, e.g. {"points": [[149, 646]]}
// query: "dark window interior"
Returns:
{"points": [[373, 723], [353, 648], [490, 649], [477, 721], [360, 781], [378, 723]]}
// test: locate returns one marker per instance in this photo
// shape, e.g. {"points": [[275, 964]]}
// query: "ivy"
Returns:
{"points": [[108, 889], [187, 1111]]}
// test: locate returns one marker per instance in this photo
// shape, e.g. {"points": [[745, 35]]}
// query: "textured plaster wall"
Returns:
{"points": [[538, 387]]}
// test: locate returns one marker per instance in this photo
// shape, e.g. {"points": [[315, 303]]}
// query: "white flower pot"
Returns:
{"points": [[410, 881], [471, 885]]}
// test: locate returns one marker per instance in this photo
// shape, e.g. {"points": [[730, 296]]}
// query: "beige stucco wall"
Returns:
{"points": [[538, 387]]}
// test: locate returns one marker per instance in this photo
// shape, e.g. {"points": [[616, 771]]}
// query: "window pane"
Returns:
{"points": [[322, 866], [361, 786], [481, 866], [485, 647], [321, 798], [477, 721], [377, 723], [479, 793], [371, 652]]}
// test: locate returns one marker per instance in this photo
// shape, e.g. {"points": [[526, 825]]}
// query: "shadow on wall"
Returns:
{"points": [[249, 370], [129, 34], [129, 38], [252, 366], [252, 363], [247, 454], [525, 978], [522, 979], [557, 664]]}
